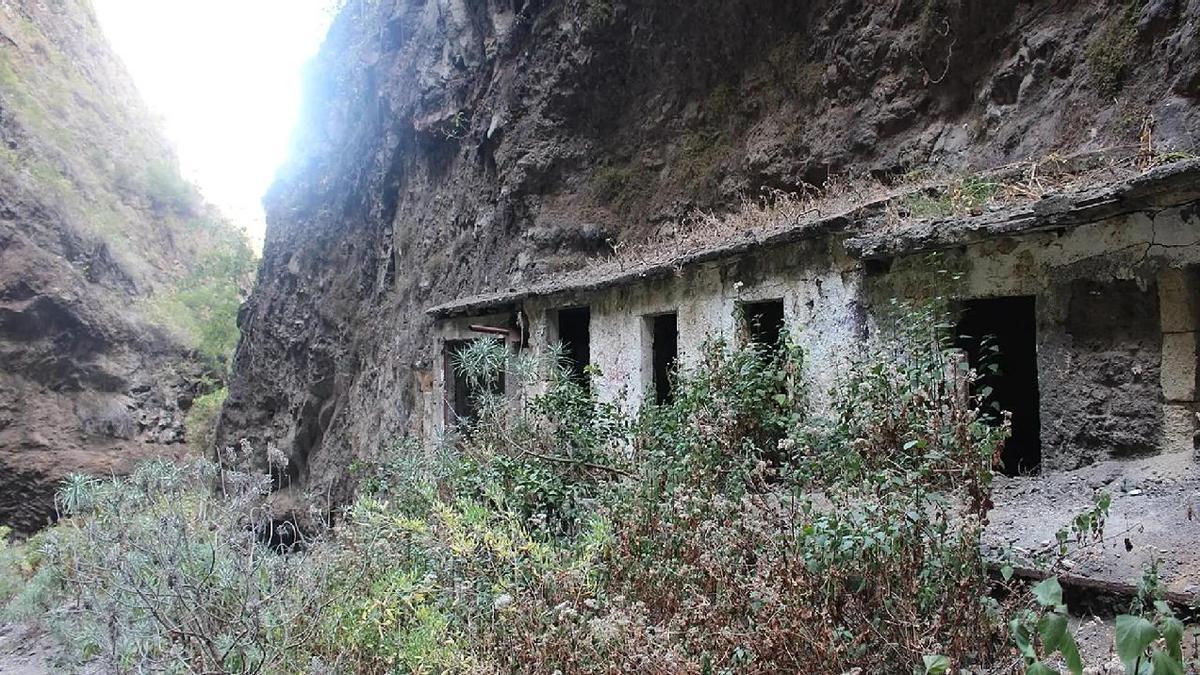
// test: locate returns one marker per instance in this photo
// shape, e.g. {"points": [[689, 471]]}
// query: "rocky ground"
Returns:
{"points": [[26, 650], [1154, 517]]}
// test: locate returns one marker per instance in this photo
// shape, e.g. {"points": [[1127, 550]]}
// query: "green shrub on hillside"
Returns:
{"points": [[201, 421], [167, 190], [202, 307]]}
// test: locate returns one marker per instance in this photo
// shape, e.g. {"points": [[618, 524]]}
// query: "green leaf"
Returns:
{"points": [[1053, 627], [1039, 668], [1172, 632], [1048, 593], [1020, 638], [1070, 651], [1006, 572], [1134, 635], [936, 664], [1164, 664]]}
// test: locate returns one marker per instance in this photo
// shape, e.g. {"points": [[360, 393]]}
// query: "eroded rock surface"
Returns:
{"points": [[90, 227], [450, 148]]}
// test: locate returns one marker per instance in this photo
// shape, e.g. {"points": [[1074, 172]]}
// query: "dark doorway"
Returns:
{"points": [[999, 336], [462, 397], [574, 332], [764, 322], [664, 350]]}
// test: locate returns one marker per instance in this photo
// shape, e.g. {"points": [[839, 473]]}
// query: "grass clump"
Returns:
{"points": [[621, 186], [965, 196]]}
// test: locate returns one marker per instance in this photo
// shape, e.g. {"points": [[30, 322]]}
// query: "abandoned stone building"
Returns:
{"points": [[1093, 297]]}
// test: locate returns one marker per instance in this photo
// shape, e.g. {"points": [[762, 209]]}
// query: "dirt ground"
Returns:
{"points": [[1154, 516], [26, 650]]}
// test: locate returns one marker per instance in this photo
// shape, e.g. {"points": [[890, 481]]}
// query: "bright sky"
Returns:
{"points": [[225, 77]]}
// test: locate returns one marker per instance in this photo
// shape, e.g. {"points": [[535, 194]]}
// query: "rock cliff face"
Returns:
{"points": [[454, 147], [94, 219]]}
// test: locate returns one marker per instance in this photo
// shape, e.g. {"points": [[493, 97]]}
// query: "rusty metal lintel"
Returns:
{"points": [[492, 330]]}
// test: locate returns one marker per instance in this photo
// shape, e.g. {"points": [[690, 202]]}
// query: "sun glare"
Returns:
{"points": [[225, 78]]}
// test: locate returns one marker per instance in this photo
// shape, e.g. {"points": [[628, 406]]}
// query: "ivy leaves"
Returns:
{"points": [[1051, 627], [1146, 645], [1151, 647]]}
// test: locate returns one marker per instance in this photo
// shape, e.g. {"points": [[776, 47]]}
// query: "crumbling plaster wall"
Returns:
{"points": [[1117, 307], [818, 285], [1116, 333]]}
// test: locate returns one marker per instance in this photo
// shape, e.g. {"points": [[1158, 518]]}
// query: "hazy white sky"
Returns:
{"points": [[225, 76]]}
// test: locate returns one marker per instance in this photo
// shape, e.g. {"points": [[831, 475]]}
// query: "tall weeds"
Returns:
{"points": [[734, 529]]}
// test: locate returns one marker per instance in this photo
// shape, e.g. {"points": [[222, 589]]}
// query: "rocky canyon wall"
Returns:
{"points": [[452, 147], [95, 221]]}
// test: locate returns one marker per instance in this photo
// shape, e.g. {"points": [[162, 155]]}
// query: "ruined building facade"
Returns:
{"points": [[1092, 298]]}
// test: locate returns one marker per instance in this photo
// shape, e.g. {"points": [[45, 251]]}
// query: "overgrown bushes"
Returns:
{"points": [[731, 530]]}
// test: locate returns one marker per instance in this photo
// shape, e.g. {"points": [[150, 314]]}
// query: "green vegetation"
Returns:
{"points": [[599, 12], [964, 196], [201, 420], [167, 190], [1110, 52], [621, 186], [716, 533], [702, 149], [202, 306], [1149, 639]]}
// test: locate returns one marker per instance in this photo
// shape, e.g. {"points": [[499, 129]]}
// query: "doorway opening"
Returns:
{"points": [[574, 332], [999, 336], [764, 322], [664, 350]]}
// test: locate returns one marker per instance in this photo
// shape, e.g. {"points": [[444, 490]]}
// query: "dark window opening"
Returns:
{"points": [[999, 336], [462, 395], [877, 266], [574, 332], [664, 350], [764, 322]]}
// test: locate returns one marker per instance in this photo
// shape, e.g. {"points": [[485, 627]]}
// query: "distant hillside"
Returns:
{"points": [[119, 286]]}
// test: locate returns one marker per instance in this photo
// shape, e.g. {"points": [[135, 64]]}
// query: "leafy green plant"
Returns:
{"points": [[1042, 633]]}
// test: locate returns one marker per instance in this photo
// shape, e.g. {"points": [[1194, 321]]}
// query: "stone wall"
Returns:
{"points": [[1116, 312]]}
